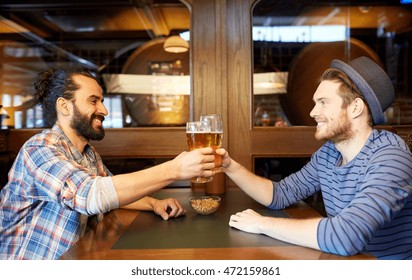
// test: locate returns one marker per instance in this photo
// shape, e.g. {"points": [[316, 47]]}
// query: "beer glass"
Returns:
{"points": [[198, 136], [216, 130]]}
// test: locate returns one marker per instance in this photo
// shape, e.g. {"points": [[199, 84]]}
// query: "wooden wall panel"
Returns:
{"points": [[123, 142], [208, 57], [239, 75], [296, 141], [284, 141]]}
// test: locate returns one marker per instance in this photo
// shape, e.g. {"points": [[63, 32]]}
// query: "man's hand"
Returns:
{"points": [[168, 208], [196, 163], [247, 220]]}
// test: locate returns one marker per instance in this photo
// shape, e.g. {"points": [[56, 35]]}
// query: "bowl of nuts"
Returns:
{"points": [[205, 205]]}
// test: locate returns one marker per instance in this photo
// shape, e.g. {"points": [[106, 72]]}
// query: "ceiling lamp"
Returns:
{"points": [[175, 44]]}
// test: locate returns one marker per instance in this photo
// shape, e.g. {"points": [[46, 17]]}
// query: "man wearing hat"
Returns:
{"points": [[364, 174]]}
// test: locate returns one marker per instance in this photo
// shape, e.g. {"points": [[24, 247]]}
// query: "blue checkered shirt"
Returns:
{"points": [[42, 204]]}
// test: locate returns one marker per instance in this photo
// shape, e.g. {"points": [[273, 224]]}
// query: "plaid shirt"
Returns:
{"points": [[42, 204]]}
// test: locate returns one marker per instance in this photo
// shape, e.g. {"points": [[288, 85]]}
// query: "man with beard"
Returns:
{"points": [[364, 174], [58, 182]]}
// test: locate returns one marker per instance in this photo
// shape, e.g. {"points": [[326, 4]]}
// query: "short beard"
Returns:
{"points": [[341, 132], [83, 125]]}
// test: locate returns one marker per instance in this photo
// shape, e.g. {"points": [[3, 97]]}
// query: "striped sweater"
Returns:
{"points": [[368, 201]]}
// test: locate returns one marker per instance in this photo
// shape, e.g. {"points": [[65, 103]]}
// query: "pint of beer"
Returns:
{"points": [[216, 130], [216, 138], [218, 185], [198, 136]]}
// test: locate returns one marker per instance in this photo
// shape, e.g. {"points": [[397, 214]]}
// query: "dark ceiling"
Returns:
{"points": [[103, 19], [134, 20]]}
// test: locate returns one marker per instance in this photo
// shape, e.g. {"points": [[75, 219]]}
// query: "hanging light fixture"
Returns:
{"points": [[175, 44]]}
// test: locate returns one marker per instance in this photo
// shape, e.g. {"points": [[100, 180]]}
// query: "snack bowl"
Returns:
{"points": [[205, 205]]}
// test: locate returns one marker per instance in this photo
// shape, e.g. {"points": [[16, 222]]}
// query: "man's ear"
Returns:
{"points": [[358, 107], [63, 106]]}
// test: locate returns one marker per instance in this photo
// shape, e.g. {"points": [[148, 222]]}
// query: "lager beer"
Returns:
{"points": [[198, 136], [217, 186], [216, 139], [198, 139]]}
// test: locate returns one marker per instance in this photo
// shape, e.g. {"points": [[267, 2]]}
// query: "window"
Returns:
{"points": [[104, 36], [295, 41]]}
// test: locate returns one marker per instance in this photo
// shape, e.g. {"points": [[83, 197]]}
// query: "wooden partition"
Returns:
{"points": [[122, 143], [169, 142]]}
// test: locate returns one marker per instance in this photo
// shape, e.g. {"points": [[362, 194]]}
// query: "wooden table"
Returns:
{"points": [[129, 235]]}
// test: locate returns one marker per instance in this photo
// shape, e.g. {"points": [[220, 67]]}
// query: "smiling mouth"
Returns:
{"points": [[98, 120], [99, 117], [320, 124]]}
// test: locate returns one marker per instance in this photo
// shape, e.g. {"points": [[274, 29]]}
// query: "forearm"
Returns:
{"points": [[144, 204], [134, 186], [259, 188], [302, 232], [166, 208]]}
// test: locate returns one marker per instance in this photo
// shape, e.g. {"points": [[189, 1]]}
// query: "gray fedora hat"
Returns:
{"points": [[373, 83]]}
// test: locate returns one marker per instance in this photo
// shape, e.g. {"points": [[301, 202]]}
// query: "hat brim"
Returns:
{"points": [[364, 88]]}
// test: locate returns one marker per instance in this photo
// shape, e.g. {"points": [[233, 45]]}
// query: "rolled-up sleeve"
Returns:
{"points": [[102, 196]]}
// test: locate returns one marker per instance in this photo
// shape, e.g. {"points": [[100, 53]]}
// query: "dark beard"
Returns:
{"points": [[83, 125], [340, 133]]}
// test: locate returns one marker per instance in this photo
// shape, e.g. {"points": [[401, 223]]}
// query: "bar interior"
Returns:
{"points": [[163, 63]]}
